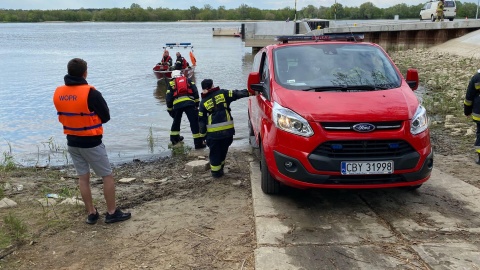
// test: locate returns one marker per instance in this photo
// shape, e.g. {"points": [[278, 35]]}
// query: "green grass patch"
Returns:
{"points": [[13, 230], [180, 149], [8, 162], [442, 104]]}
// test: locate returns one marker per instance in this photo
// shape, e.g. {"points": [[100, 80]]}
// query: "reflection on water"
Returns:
{"points": [[161, 90], [120, 57]]}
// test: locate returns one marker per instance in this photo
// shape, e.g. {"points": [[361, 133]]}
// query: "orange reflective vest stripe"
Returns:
{"points": [[71, 103]]}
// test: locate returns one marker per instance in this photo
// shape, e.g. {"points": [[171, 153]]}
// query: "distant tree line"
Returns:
{"points": [[138, 14]]}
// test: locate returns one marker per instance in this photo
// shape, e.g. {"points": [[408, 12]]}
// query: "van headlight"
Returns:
{"points": [[289, 121], [419, 122]]}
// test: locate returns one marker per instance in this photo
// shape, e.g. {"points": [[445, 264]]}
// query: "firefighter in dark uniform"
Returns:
{"points": [[471, 108], [180, 62], [182, 96], [216, 122]]}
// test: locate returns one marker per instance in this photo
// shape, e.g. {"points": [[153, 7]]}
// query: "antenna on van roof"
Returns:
{"points": [[324, 37]]}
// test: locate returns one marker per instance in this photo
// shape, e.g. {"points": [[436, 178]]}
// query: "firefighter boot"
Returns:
{"points": [[217, 174], [176, 140], [199, 143]]}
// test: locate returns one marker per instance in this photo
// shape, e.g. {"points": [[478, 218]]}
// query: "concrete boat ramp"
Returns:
{"points": [[435, 227]]}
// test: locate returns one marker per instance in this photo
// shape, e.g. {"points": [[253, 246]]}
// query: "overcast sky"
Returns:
{"points": [[183, 4]]}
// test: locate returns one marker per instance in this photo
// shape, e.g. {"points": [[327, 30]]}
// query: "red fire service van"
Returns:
{"points": [[333, 111]]}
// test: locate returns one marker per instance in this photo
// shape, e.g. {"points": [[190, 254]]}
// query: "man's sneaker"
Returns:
{"points": [[117, 216], [92, 218]]}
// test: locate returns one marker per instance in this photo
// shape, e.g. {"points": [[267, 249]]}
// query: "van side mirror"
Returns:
{"points": [[253, 83], [257, 87], [412, 78]]}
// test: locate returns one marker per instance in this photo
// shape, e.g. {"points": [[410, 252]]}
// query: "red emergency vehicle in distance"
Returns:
{"points": [[335, 112]]}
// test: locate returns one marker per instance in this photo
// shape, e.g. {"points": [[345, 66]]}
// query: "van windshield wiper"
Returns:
{"points": [[365, 87]]}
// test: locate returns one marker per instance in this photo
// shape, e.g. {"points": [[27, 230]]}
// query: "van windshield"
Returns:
{"points": [[320, 66]]}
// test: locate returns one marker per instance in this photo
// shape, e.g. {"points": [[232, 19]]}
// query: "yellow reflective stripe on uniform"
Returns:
{"points": [[228, 116], [477, 86], [208, 104], [220, 126], [200, 113], [230, 93], [476, 116], [174, 132], [468, 102], [215, 168], [198, 135], [227, 123], [181, 99], [197, 100]]}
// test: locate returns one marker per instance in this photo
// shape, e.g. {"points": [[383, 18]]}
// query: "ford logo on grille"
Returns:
{"points": [[364, 127]]}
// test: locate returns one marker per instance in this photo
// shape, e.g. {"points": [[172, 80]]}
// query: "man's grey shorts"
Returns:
{"points": [[95, 157]]}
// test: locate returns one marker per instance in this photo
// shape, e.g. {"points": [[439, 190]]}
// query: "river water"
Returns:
{"points": [[120, 58]]}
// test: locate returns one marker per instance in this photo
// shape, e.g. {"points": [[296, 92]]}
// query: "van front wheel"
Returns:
{"points": [[269, 184]]}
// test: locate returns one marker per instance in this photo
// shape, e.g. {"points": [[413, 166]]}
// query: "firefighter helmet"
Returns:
{"points": [[176, 73]]}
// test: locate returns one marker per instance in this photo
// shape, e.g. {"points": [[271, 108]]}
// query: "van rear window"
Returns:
{"points": [[449, 4]]}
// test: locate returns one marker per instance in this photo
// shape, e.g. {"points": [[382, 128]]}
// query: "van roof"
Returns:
{"points": [[325, 37]]}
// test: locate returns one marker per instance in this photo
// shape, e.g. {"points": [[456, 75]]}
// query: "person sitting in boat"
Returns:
{"points": [[167, 61], [181, 63]]}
